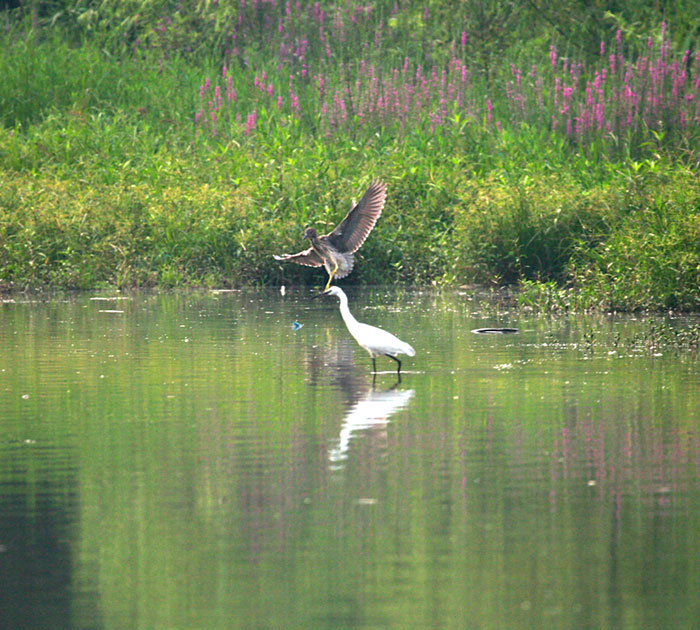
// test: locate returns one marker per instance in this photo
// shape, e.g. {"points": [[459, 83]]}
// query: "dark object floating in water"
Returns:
{"points": [[495, 331]]}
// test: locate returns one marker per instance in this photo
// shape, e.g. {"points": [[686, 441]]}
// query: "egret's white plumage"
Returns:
{"points": [[375, 340]]}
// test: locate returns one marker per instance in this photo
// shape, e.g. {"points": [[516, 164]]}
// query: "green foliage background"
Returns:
{"points": [[106, 179]]}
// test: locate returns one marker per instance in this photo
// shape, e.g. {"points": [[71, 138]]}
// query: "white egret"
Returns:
{"points": [[335, 250], [375, 340]]}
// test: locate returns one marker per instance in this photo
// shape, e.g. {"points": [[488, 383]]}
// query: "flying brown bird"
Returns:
{"points": [[335, 250]]}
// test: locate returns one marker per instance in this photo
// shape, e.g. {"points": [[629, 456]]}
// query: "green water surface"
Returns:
{"points": [[192, 461]]}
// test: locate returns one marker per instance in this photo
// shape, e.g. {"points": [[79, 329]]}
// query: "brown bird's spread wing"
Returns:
{"points": [[308, 257], [358, 223]]}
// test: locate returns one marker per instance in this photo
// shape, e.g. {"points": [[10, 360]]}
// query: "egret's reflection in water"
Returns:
{"points": [[374, 410]]}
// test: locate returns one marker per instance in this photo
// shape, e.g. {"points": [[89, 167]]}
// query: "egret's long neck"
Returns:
{"points": [[349, 320]]}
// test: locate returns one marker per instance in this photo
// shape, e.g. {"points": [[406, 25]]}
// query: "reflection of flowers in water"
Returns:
{"points": [[374, 410], [613, 460]]}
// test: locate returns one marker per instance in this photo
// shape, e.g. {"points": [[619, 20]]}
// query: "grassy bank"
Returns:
{"points": [[161, 158]]}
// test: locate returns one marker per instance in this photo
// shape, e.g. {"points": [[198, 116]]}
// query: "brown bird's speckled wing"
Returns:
{"points": [[308, 257], [358, 223]]}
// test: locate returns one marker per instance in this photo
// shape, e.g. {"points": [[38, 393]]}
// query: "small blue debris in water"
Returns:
{"points": [[297, 325]]}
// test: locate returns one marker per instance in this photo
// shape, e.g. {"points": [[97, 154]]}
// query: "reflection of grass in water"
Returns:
{"points": [[655, 337], [660, 336]]}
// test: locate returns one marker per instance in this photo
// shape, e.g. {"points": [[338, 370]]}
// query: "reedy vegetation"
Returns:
{"points": [[166, 144]]}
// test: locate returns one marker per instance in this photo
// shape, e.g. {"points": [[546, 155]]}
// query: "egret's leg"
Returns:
{"points": [[330, 277], [374, 366], [398, 369]]}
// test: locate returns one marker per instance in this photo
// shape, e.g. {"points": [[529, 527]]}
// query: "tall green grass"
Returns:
{"points": [[108, 176]]}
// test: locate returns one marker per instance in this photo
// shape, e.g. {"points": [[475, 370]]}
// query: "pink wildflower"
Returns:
{"points": [[250, 122]]}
